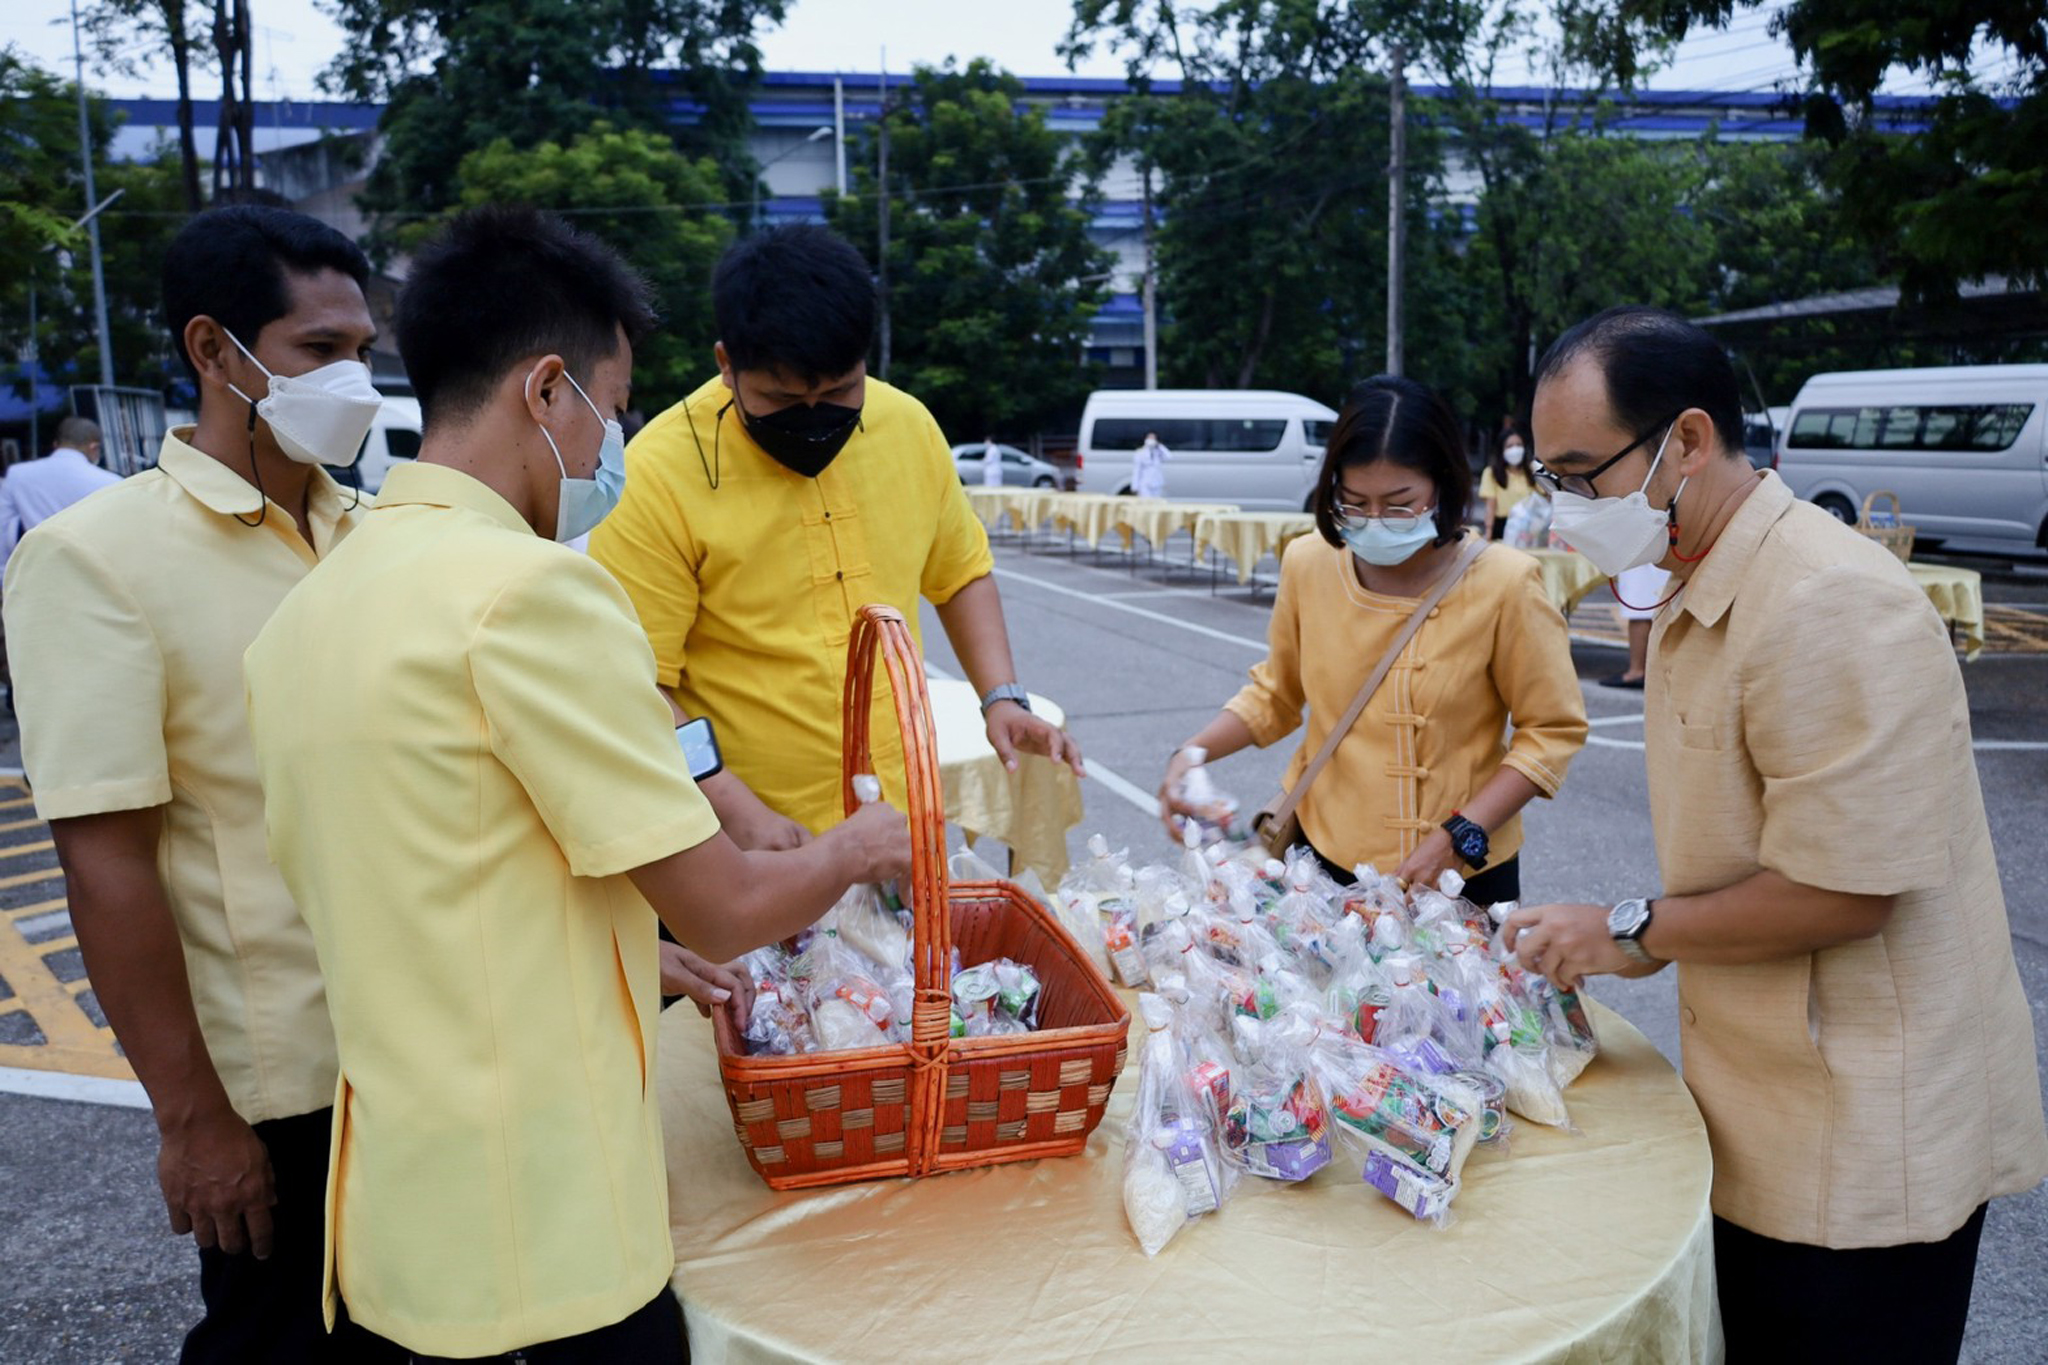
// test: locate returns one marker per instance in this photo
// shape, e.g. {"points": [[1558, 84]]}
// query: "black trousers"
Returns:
{"points": [[1788, 1301], [259, 1311], [650, 1335], [1501, 882]]}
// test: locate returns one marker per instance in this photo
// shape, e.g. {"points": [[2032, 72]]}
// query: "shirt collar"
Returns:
{"points": [[216, 486], [1713, 585], [73, 451], [439, 485]]}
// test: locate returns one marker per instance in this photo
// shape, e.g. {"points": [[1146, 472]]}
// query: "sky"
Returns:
{"points": [[294, 41]]}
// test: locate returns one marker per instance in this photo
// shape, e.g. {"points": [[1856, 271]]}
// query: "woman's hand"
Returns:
{"points": [[1171, 808], [1431, 858], [706, 983]]}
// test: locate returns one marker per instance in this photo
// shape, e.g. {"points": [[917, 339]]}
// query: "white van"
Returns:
{"points": [[394, 439], [1258, 448], [1964, 447]]}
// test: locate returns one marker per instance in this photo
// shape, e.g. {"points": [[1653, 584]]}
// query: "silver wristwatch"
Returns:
{"points": [[1007, 692], [1625, 925]]}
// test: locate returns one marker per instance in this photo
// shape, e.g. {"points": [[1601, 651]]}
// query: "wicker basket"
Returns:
{"points": [[1897, 536], [935, 1103]]}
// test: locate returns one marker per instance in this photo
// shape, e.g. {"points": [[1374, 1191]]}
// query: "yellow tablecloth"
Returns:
{"points": [[1571, 1248], [1031, 809], [1158, 520], [1245, 537], [1568, 576], [989, 504], [1958, 594], [1089, 516]]}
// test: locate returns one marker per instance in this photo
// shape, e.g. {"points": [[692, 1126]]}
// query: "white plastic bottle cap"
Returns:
{"points": [[867, 788], [1196, 754]]}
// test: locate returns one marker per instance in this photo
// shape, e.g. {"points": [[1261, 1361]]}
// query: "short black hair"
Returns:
{"points": [[1656, 365], [798, 299], [76, 432], [229, 264], [1394, 418], [499, 284]]}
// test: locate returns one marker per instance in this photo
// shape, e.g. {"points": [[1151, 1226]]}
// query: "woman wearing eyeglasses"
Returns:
{"points": [[1479, 712]]}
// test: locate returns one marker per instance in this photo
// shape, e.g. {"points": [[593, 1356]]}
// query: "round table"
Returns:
{"points": [[1958, 598], [1031, 809], [1590, 1247], [1244, 538]]}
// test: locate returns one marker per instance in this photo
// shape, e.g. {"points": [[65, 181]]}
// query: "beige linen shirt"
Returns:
{"points": [[127, 615], [1806, 714]]}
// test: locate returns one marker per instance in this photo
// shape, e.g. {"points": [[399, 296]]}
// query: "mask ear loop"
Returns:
{"points": [[714, 470], [256, 474]]}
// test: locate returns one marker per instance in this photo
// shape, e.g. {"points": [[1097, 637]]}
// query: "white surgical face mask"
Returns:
{"points": [[1375, 542], [1618, 534], [583, 503], [1513, 455], [319, 417]]}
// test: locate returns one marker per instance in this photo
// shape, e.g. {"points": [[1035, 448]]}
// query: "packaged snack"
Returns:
{"points": [[1102, 891], [1278, 1123], [1217, 821], [848, 1008], [1172, 1174], [1428, 1197]]}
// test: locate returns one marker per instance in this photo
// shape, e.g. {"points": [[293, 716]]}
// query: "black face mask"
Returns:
{"points": [[802, 438]]}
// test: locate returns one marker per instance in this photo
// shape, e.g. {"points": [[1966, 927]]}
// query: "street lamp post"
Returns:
{"points": [[99, 278], [34, 357], [818, 133]]}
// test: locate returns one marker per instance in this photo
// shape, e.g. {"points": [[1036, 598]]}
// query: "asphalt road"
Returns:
{"points": [[1139, 660]]}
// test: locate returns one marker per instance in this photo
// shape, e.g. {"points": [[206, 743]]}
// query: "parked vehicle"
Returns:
{"points": [[393, 440], [1257, 448], [1762, 434], [1019, 470], [1964, 447]]}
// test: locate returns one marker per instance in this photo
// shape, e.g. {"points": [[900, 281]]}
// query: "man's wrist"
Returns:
{"points": [[1002, 692]]}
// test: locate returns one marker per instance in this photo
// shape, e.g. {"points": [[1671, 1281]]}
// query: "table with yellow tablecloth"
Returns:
{"points": [[1088, 517], [1589, 1247], [1030, 810], [1245, 538], [1158, 520], [1569, 578], [1958, 595], [990, 504]]}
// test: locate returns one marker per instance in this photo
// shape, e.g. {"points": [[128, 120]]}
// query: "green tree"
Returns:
{"points": [[629, 188], [458, 75], [992, 277]]}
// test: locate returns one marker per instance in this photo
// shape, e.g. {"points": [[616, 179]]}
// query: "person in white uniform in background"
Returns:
{"points": [[1640, 592], [36, 490], [991, 463], [1148, 468]]}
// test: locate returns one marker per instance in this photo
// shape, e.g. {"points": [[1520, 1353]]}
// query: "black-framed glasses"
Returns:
{"points": [[1582, 484]]}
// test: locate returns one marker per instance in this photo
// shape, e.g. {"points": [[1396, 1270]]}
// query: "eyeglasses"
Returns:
{"points": [[1397, 519], [1582, 484]]}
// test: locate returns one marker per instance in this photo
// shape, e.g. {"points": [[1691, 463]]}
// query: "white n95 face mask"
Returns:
{"points": [[321, 416], [1617, 534]]}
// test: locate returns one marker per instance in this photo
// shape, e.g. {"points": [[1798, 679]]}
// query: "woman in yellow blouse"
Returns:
{"points": [[1434, 753], [1504, 482]]}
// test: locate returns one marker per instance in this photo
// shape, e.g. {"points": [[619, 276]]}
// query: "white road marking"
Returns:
{"points": [[1123, 787], [1160, 617], [59, 1085], [1632, 718]]}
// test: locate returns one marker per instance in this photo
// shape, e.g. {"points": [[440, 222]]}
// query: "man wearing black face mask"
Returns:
{"points": [[768, 507]]}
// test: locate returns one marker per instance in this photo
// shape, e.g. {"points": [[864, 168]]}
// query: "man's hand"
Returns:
{"points": [[1431, 858], [878, 839], [217, 1183], [706, 983], [1013, 730], [1567, 943]]}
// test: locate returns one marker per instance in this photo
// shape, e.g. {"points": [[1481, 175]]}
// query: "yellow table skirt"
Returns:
{"points": [[1244, 538], [1958, 595], [1584, 1248], [1031, 809], [1569, 578]]}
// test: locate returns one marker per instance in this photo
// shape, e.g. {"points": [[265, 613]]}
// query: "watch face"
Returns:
{"points": [[1471, 843], [1626, 919]]}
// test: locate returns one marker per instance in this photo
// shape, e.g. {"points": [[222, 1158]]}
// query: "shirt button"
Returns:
{"points": [[840, 574], [1433, 612], [1689, 1017], [828, 516]]}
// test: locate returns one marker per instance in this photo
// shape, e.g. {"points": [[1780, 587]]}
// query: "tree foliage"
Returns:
{"points": [[992, 277], [458, 75]]}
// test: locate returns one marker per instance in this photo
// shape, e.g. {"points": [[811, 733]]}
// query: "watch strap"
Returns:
{"points": [[1006, 692]]}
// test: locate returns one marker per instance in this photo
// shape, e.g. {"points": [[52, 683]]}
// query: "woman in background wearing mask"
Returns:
{"points": [[1504, 482], [1481, 709]]}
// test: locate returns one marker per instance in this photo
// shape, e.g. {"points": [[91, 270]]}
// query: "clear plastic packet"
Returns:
{"points": [[1172, 1171], [1081, 923], [867, 919], [778, 1024], [1433, 1122], [1216, 821], [1414, 1026], [1379, 901], [994, 998], [1103, 889], [1278, 1122], [847, 1006]]}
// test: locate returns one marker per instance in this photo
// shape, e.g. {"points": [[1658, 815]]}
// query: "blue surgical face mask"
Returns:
{"points": [[1377, 543], [583, 503]]}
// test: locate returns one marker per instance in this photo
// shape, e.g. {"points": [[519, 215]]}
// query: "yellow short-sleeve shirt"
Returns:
{"points": [[127, 614], [1504, 497], [747, 577], [464, 753]]}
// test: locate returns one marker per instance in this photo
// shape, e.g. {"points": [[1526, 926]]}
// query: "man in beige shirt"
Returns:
{"points": [[1854, 1027]]}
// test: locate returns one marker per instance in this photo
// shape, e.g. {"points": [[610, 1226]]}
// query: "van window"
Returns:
{"points": [[401, 444], [1128, 433], [1250, 433], [1318, 431], [1980, 426]]}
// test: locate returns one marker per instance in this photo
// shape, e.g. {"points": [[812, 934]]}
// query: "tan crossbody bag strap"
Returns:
{"points": [[1284, 812]]}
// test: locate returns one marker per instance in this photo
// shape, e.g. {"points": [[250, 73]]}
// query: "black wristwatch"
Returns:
{"points": [[1468, 840]]}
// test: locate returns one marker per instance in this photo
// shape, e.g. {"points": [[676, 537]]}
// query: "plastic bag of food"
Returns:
{"points": [[778, 1024], [994, 998], [1376, 1104], [1172, 1173], [1278, 1122], [848, 1007], [1102, 892]]}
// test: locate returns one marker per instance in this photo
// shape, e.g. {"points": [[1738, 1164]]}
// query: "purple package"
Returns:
{"points": [[1181, 1141], [1413, 1188], [1297, 1159]]}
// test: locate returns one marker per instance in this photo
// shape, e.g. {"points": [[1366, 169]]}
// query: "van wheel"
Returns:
{"points": [[1043, 481], [1838, 507]]}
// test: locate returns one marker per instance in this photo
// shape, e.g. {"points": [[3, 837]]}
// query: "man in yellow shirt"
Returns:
{"points": [[477, 826], [126, 617], [1854, 1026], [769, 506]]}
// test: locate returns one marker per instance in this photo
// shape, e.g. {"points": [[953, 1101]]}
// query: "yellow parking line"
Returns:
{"points": [[24, 911], [49, 1001], [29, 878], [17, 803], [21, 850], [14, 825]]}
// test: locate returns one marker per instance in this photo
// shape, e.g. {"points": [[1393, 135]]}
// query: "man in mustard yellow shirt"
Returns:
{"points": [[127, 615], [769, 506], [1854, 1027], [476, 827]]}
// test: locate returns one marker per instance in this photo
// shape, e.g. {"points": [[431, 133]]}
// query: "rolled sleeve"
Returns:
{"points": [[1534, 674], [1270, 704], [1849, 706], [88, 682], [646, 545], [959, 553], [566, 683]]}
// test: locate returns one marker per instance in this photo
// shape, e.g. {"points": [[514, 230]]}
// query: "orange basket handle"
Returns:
{"points": [[881, 628]]}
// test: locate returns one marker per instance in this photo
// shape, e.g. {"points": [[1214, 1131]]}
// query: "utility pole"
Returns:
{"points": [[91, 220], [1397, 220], [34, 352], [882, 208], [1151, 296], [839, 129]]}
